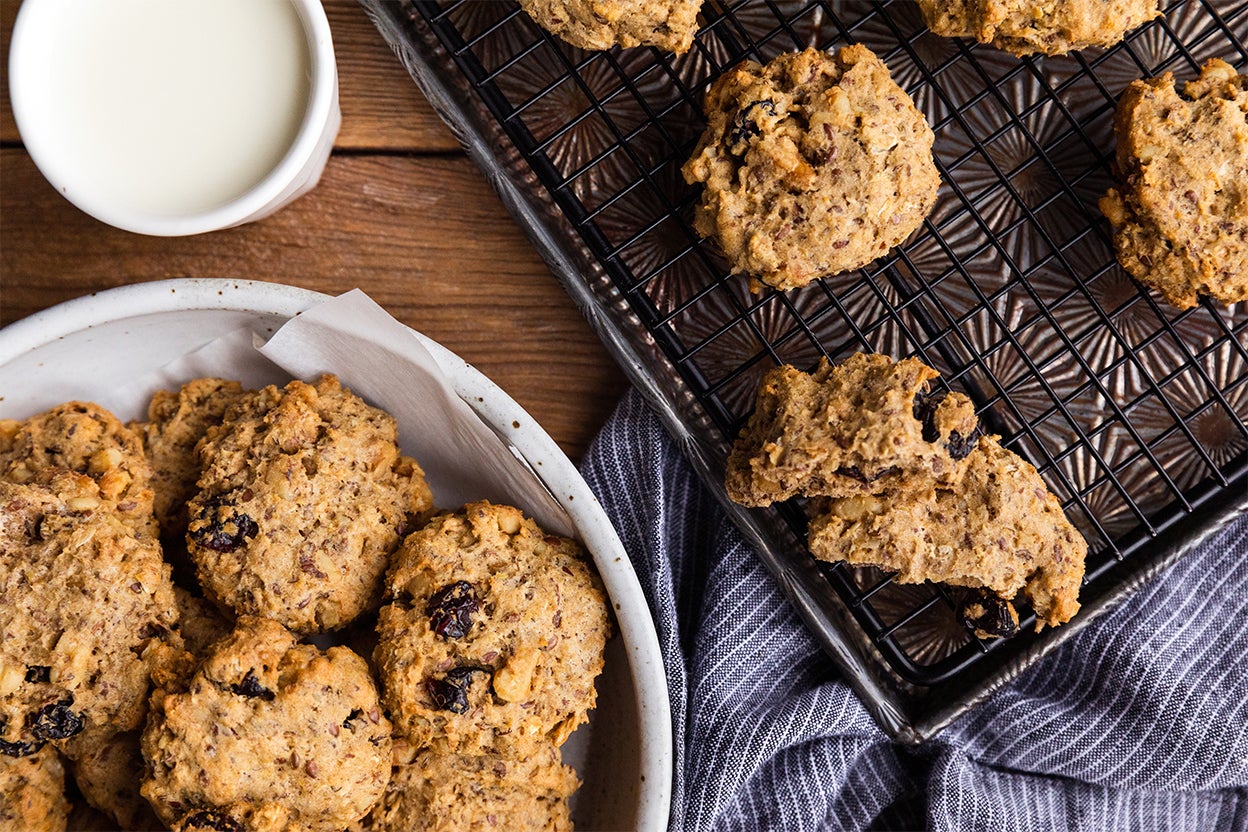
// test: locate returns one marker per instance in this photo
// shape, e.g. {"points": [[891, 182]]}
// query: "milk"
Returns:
{"points": [[170, 107]]}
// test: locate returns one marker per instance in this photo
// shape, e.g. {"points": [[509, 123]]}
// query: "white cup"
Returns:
{"points": [[56, 117]]}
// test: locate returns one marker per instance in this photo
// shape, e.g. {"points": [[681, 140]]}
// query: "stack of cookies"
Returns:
{"points": [[160, 579], [902, 479]]}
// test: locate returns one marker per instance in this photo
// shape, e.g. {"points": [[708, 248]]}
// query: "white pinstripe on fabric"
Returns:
{"points": [[1138, 723]]}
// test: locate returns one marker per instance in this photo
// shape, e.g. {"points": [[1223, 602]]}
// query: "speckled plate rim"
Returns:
{"points": [[496, 408]]}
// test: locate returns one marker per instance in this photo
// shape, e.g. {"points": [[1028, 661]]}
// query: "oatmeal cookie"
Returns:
{"points": [[493, 634], [601, 24], [458, 793], [998, 528], [812, 165], [108, 769], [859, 426], [1180, 217], [88, 616], [176, 421], [87, 439], [32, 793], [269, 726], [303, 496], [1046, 27], [200, 623], [241, 817]]}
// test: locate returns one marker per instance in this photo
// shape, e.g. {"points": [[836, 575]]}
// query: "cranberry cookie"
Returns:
{"points": [[492, 636], [89, 614], [998, 528], [269, 727], [85, 438], [303, 496], [176, 421], [458, 793], [862, 425], [1180, 217], [813, 164], [32, 793], [1046, 27], [601, 24]]}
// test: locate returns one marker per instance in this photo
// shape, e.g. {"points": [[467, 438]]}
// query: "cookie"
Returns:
{"points": [[108, 766], [85, 438], [859, 426], [1180, 216], [32, 793], [601, 24], [176, 421], [492, 636], [998, 528], [242, 817], [303, 496], [812, 165], [1046, 27], [272, 726], [458, 793], [108, 770], [200, 623], [88, 616]]}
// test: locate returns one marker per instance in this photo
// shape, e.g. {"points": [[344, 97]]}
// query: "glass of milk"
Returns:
{"points": [[174, 117]]}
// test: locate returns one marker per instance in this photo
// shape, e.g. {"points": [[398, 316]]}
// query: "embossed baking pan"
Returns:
{"points": [[1133, 412]]}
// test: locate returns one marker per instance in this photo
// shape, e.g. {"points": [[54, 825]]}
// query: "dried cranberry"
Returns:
{"points": [[988, 615], [56, 721], [450, 609], [222, 533], [17, 749], [960, 447], [38, 673], [450, 693], [744, 126], [211, 819], [854, 472], [925, 407], [251, 688]]}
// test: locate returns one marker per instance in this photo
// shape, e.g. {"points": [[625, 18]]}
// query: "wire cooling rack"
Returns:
{"points": [[1133, 412]]}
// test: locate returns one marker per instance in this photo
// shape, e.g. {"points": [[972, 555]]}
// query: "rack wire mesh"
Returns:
{"points": [[1133, 412]]}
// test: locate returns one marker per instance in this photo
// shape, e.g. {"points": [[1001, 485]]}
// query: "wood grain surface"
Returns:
{"points": [[400, 213]]}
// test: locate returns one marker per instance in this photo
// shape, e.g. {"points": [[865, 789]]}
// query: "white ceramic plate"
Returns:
{"points": [[625, 754]]}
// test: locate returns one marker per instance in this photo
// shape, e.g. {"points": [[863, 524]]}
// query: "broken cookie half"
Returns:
{"points": [[902, 479], [997, 528]]}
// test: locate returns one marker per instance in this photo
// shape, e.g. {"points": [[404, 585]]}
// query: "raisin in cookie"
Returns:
{"points": [[87, 439], [998, 528], [1180, 217], [601, 24], [859, 426], [493, 634], [271, 725], [459, 793], [303, 496], [32, 793], [176, 421], [88, 617], [1047, 27], [813, 165]]}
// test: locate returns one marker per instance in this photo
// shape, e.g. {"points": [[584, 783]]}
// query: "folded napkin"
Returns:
{"points": [[1138, 723]]}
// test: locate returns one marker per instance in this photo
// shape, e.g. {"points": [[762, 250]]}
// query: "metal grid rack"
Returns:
{"points": [[1133, 412]]}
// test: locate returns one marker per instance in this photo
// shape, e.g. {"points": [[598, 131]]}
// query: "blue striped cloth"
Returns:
{"points": [[1138, 723]]}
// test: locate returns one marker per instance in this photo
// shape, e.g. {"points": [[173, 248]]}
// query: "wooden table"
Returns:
{"points": [[400, 212]]}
